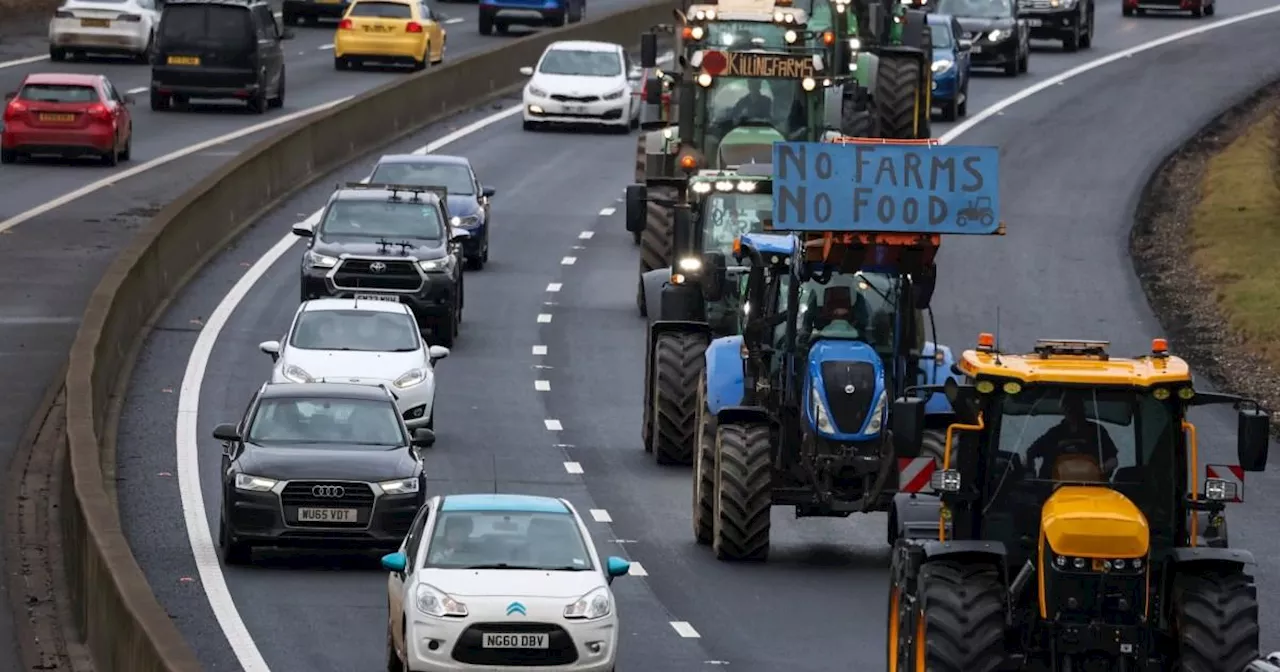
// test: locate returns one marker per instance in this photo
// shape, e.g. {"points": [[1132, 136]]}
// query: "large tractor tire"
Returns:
{"points": [[744, 491], [898, 97], [655, 241], [858, 116], [957, 624], [1216, 620], [678, 364], [704, 466], [635, 235]]}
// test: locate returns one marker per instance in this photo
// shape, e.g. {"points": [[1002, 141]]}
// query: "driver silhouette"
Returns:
{"points": [[754, 105], [1074, 435]]}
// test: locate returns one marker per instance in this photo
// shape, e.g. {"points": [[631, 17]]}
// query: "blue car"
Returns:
{"points": [[500, 14], [468, 201], [950, 67]]}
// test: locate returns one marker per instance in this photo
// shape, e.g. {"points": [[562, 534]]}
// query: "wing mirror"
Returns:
{"points": [[226, 432], [458, 235], [615, 567], [395, 562], [423, 438], [437, 353], [527, 71], [653, 91], [11, 95], [303, 230], [271, 348], [637, 196], [715, 276], [488, 192], [907, 424], [1253, 438]]}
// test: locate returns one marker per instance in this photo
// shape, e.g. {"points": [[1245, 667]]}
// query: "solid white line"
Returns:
{"points": [[573, 467], [637, 570], [601, 516], [554, 287], [569, 261], [586, 235], [456, 19], [683, 629], [172, 156], [542, 385], [544, 318], [553, 424], [325, 47], [539, 350], [23, 61], [607, 211], [140, 89]]}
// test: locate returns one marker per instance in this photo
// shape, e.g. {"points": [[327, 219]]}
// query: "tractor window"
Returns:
{"points": [[1044, 428], [729, 215], [746, 34], [737, 101]]}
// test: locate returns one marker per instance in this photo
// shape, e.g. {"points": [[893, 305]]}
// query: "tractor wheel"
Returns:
{"points": [[704, 465], [958, 624], [655, 242], [744, 491], [898, 97], [677, 367], [858, 116], [1216, 619], [640, 159]]}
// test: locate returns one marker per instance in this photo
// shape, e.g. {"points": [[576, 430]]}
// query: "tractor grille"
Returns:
{"points": [[574, 99], [849, 410], [356, 274]]}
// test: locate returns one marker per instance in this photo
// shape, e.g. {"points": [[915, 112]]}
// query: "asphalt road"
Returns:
{"points": [[1074, 157], [50, 262]]}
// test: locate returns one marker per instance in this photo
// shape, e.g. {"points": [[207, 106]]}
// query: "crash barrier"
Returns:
{"points": [[125, 628], [13, 9]]}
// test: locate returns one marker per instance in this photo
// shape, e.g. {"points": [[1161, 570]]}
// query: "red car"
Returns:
{"points": [[67, 115]]}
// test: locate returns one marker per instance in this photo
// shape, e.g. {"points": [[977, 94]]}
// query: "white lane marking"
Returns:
{"points": [[569, 261], [542, 385], [553, 425], [544, 318], [601, 516], [454, 20], [23, 61], [140, 89], [554, 287], [539, 350], [573, 467], [637, 569], [187, 432], [325, 47], [683, 629], [215, 586], [586, 235], [159, 161], [607, 212]]}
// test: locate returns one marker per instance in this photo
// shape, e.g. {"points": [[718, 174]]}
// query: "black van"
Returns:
{"points": [[219, 49]]}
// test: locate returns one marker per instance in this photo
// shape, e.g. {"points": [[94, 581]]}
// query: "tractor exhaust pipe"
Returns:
{"points": [[1020, 581]]}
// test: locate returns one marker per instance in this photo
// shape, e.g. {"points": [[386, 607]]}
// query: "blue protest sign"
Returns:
{"points": [[863, 188]]}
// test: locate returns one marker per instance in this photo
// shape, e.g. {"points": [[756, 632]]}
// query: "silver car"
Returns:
{"points": [[365, 342]]}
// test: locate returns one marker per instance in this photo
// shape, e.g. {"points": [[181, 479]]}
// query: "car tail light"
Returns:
{"points": [[414, 27], [345, 24], [14, 109], [132, 18], [99, 111], [64, 14]]}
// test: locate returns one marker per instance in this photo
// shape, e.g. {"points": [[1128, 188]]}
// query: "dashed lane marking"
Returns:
{"points": [[554, 287], [637, 569], [607, 212], [553, 424], [325, 47], [539, 350], [601, 516], [454, 20], [683, 629], [542, 385], [569, 261], [544, 318], [586, 235], [573, 467]]}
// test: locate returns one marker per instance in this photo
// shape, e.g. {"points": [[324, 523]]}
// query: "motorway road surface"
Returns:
{"points": [[561, 283], [51, 260]]}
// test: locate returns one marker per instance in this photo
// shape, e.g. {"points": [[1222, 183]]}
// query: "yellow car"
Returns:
{"points": [[389, 31]]}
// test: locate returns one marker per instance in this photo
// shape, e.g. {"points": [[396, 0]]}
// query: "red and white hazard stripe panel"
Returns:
{"points": [[914, 474], [1231, 473]]}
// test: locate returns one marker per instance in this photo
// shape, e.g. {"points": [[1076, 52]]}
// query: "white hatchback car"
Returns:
{"points": [[582, 82], [115, 27], [497, 581], [364, 342]]}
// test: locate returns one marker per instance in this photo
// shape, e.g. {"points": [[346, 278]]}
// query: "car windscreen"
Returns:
{"points": [[59, 93], [977, 9], [454, 177], [941, 33], [581, 63], [337, 422], [355, 330], [508, 540], [381, 10], [218, 27], [396, 220]]}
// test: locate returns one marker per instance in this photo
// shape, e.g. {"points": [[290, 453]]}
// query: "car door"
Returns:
{"points": [[270, 53], [962, 55], [396, 582], [119, 115], [435, 30]]}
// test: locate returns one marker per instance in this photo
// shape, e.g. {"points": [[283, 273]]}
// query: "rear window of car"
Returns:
{"points": [[381, 10], [59, 93], [219, 27]]}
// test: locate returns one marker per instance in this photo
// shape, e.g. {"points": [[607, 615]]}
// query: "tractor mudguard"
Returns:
{"points": [[914, 25], [917, 516], [653, 281], [724, 373], [833, 351], [680, 303], [742, 415], [994, 550], [903, 49], [933, 372], [1235, 556]]}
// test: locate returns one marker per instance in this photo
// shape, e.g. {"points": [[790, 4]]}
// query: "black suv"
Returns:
{"points": [[1068, 20], [389, 242], [219, 49]]}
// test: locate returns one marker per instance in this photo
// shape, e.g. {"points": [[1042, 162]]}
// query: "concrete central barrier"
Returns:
{"points": [[125, 628]]}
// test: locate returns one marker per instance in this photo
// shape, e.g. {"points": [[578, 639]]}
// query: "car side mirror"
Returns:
{"points": [[615, 567], [527, 71], [907, 424], [303, 231], [1253, 438], [395, 562], [286, 34], [271, 348], [128, 99], [488, 192], [423, 438], [226, 432], [653, 91], [459, 235], [649, 50], [715, 276], [966, 45], [637, 196], [437, 353]]}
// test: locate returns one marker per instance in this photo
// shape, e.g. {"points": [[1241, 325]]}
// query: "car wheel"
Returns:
{"points": [[57, 54], [963, 108], [484, 255], [159, 101], [1024, 61], [426, 57], [951, 109], [233, 552], [258, 103], [1126, 11], [501, 28], [111, 157], [278, 101], [126, 154], [145, 55], [557, 20], [486, 23], [1086, 40], [532, 125], [394, 664], [8, 156], [1072, 42]]}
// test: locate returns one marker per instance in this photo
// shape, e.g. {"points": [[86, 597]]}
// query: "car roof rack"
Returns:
{"points": [[1049, 347], [416, 190]]}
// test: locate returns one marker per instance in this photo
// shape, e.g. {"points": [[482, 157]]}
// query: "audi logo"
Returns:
{"points": [[378, 267], [329, 491]]}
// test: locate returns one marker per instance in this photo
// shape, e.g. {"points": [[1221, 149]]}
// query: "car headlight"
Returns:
{"points": [[411, 378], [820, 417], [595, 604], [316, 260], [942, 65], [400, 486], [296, 374], [535, 92], [996, 35], [254, 483], [442, 264], [435, 602], [615, 95], [465, 222], [877, 414]]}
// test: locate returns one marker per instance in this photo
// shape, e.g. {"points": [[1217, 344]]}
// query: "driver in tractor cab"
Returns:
{"points": [[1065, 447], [843, 315], [755, 105]]}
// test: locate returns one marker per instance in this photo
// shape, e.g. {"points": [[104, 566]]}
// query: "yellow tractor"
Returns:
{"points": [[1075, 527]]}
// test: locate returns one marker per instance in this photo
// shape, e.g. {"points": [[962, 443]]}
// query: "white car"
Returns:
{"points": [[582, 82], [117, 27], [364, 342], [495, 581]]}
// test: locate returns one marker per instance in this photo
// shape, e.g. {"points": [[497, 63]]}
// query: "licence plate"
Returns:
{"points": [[377, 297], [575, 109], [326, 515], [975, 49], [95, 23], [514, 640], [1035, 23], [61, 118], [377, 29], [183, 60]]}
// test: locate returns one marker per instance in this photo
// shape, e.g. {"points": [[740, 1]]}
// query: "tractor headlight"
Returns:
{"points": [[877, 414], [701, 187], [690, 264], [1098, 565], [820, 417]]}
